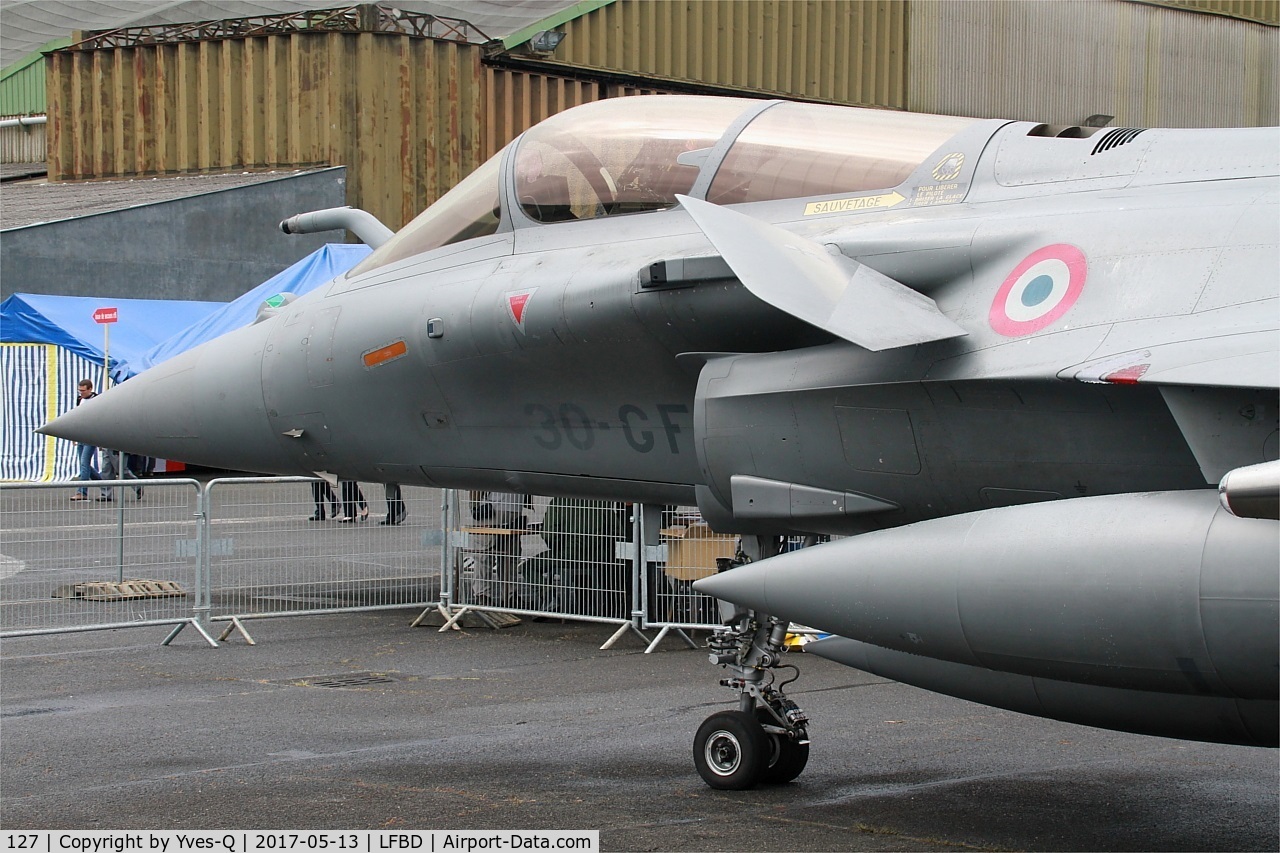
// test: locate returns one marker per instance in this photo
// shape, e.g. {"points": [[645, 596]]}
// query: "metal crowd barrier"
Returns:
{"points": [[575, 559], [186, 554], [539, 557], [94, 564], [688, 551], [273, 550], [245, 548]]}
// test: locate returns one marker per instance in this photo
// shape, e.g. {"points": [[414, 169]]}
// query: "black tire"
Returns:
{"points": [[729, 751], [785, 759]]}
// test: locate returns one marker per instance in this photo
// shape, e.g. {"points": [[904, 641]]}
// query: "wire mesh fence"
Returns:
{"points": [[127, 553], [290, 545], [689, 551], [163, 551], [572, 558], [542, 556]]}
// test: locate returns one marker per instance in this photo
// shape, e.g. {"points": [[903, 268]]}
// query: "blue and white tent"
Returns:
{"points": [[49, 343]]}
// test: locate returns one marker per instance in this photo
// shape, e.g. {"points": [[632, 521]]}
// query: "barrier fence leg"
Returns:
{"points": [[438, 608], [234, 624], [621, 632], [665, 630], [177, 629], [452, 621], [645, 526]]}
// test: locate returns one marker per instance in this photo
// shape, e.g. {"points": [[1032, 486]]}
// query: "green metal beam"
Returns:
{"points": [[33, 58]]}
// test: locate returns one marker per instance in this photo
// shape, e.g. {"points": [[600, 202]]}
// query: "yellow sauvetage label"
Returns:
{"points": [[842, 205]]}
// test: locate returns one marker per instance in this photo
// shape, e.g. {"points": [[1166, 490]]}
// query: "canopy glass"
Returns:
{"points": [[635, 154]]}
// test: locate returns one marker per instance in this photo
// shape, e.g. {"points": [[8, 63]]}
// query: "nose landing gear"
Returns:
{"points": [[766, 740]]}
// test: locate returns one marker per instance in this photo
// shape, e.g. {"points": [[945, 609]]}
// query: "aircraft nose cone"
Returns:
{"points": [[816, 586], [204, 406], [745, 585]]}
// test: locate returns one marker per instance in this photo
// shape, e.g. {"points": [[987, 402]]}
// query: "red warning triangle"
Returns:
{"points": [[516, 302]]}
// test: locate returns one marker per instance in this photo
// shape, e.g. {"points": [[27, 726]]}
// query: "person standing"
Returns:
{"points": [[86, 454], [495, 571], [396, 512], [108, 472]]}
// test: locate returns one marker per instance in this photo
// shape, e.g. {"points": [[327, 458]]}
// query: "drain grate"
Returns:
{"points": [[346, 679]]}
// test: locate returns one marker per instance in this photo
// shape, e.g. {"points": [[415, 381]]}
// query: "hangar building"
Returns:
{"points": [[405, 98]]}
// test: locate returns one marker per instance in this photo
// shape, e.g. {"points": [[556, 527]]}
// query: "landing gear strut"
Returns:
{"points": [[766, 739]]}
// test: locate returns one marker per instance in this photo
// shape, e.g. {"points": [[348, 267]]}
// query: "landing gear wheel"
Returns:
{"points": [[730, 750], [784, 757]]}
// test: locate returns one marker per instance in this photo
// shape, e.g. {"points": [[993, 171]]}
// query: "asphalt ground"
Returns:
{"points": [[533, 727]]}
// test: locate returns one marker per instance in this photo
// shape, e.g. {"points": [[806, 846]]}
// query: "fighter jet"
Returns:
{"points": [[1028, 373]]}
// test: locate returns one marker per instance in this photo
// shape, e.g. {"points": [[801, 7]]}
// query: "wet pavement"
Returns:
{"points": [[533, 727]]}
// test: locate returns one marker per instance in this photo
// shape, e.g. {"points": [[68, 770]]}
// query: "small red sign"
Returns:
{"points": [[106, 315], [517, 301]]}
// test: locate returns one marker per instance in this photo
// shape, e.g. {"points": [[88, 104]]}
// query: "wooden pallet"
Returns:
{"points": [[129, 588]]}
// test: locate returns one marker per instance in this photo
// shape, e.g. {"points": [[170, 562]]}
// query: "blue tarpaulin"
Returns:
{"points": [[48, 343], [317, 268]]}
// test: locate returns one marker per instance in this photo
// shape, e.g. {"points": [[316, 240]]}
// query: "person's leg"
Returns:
{"points": [[317, 496], [402, 512], [87, 456], [332, 497], [107, 469], [349, 490], [395, 503]]}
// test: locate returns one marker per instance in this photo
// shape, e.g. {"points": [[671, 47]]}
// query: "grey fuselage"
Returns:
{"points": [[614, 385]]}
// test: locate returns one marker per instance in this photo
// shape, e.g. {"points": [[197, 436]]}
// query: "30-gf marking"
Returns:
{"points": [[569, 423]]}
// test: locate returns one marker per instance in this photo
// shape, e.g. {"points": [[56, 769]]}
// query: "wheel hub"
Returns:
{"points": [[723, 753]]}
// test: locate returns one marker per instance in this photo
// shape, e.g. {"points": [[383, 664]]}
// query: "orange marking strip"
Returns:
{"points": [[385, 354]]}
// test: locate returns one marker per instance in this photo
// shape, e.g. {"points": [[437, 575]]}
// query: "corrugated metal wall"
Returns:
{"points": [[401, 113], [1262, 11], [517, 100], [22, 144], [844, 52], [1061, 62], [22, 92], [410, 117]]}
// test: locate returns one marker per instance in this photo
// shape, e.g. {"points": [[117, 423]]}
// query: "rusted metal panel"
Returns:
{"points": [[517, 100], [401, 112], [1059, 63], [842, 51]]}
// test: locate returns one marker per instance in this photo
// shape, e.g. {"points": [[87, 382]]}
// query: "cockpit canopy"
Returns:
{"points": [[631, 155]]}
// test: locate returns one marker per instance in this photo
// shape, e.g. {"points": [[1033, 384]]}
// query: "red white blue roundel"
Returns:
{"points": [[1039, 290]]}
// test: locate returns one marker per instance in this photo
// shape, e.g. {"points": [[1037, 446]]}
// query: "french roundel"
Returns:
{"points": [[1040, 289]]}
